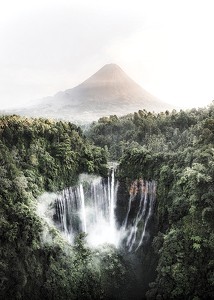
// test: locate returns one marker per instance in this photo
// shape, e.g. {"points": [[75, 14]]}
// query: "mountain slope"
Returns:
{"points": [[108, 91]]}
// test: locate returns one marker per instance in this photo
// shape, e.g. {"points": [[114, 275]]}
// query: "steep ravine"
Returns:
{"points": [[110, 210]]}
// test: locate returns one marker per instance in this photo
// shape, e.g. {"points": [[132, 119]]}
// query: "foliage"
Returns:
{"points": [[182, 163], [38, 155], [176, 149], [156, 132]]}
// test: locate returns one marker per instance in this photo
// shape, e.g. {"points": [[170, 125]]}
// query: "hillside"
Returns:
{"points": [[161, 193], [109, 91]]}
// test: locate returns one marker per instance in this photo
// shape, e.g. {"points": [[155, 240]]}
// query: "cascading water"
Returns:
{"points": [[143, 213], [90, 207]]}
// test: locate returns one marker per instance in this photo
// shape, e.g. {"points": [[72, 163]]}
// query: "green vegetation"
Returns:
{"points": [[177, 150], [162, 132], [39, 155]]}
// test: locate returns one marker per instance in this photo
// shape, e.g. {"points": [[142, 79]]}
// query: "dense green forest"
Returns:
{"points": [[175, 149], [41, 155]]}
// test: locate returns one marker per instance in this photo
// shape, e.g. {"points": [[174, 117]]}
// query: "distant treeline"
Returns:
{"points": [[158, 132]]}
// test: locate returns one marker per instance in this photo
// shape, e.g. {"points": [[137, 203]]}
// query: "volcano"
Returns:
{"points": [[109, 91]]}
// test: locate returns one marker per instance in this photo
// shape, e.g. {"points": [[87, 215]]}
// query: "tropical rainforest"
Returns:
{"points": [[176, 149]]}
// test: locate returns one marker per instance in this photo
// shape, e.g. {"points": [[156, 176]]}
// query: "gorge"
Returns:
{"points": [[140, 230], [91, 207]]}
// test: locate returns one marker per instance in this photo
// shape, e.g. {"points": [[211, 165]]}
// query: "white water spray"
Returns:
{"points": [[90, 207], [152, 189], [83, 213], [146, 191]]}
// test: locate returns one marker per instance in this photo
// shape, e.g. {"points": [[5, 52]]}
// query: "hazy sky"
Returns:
{"points": [[167, 46]]}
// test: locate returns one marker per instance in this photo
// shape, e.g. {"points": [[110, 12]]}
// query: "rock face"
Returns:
{"points": [[109, 91]]}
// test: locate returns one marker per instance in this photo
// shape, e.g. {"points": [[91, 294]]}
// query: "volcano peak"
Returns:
{"points": [[111, 66], [111, 76], [108, 91]]}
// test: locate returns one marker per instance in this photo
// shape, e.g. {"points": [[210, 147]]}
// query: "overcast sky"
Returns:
{"points": [[167, 46]]}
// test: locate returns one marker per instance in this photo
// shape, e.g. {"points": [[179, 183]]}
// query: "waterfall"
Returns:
{"points": [[90, 207], [140, 215], [83, 213], [111, 215], [146, 190], [128, 211], [152, 191]]}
